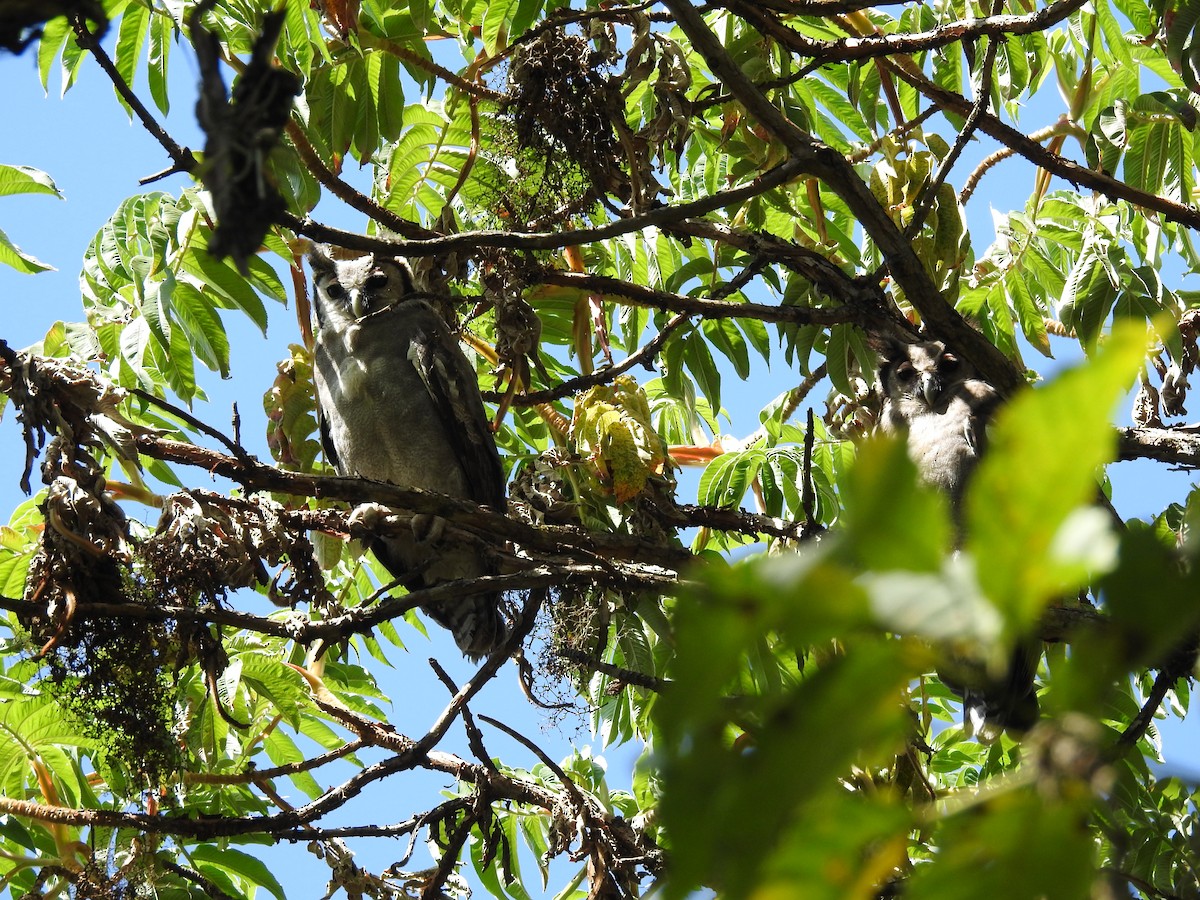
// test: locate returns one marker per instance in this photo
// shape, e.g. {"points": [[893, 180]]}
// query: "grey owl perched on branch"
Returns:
{"points": [[397, 401], [936, 402]]}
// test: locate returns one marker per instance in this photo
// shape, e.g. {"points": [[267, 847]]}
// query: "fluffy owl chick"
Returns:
{"points": [[936, 402], [397, 401]]}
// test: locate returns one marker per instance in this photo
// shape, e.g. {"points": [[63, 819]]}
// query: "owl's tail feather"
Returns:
{"points": [[476, 622], [993, 706]]}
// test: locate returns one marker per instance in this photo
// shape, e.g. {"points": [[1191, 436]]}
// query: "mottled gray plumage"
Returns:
{"points": [[936, 402], [398, 402]]}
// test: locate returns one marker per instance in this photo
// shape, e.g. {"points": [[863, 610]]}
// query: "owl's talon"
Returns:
{"points": [[368, 516]]}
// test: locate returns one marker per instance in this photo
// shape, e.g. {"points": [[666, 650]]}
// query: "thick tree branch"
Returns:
{"points": [[1178, 446]]}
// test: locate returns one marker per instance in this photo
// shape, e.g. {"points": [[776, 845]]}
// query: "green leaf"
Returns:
{"points": [[195, 314], [131, 36], [1023, 845], [242, 865], [883, 498], [161, 33], [12, 255], [282, 751], [710, 782], [1044, 452], [26, 180], [726, 479], [700, 363], [494, 20], [54, 36]]}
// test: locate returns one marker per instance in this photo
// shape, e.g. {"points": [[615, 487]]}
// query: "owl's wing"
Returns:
{"points": [[982, 403], [326, 438], [453, 387]]}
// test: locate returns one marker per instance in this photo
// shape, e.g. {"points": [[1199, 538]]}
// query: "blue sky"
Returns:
{"points": [[87, 145]]}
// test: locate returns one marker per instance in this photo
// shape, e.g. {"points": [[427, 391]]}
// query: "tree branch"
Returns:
{"points": [[555, 240], [829, 165], [644, 357], [182, 157], [1031, 150], [883, 45], [1179, 446], [636, 295]]}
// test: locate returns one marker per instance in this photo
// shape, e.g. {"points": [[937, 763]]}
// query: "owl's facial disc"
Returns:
{"points": [[365, 300]]}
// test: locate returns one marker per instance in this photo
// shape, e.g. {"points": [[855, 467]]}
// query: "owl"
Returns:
{"points": [[935, 401], [397, 401]]}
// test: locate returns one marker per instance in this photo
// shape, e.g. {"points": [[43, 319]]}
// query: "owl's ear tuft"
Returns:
{"points": [[891, 351], [320, 258]]}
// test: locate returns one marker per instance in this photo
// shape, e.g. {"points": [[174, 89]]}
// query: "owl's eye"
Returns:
{"points": [[377, 280], [949, 361], [905, 372], [335, 291]]}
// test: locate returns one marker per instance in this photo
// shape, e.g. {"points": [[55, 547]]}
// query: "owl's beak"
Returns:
{"points": [[358, 304], [931, 388]]}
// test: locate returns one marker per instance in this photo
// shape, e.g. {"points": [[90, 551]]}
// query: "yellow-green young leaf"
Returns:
{"points": [[883, 499], [290, 409], [1043, 455], [612, 429]]}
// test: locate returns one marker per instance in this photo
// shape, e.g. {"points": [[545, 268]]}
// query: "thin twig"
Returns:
{"points": [[433, 888], [1063, 126], [346, 193], [553, 240], [628, 676], [304, 765], [182, 157], [1158, 692], [876, 46], [209, 887], [568, 785], [486, 672], [474, 736], [183, 415], [807, 492]]}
